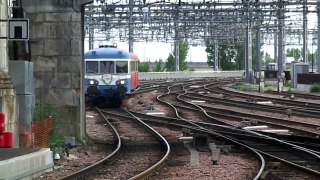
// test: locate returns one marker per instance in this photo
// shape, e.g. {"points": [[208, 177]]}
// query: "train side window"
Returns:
{"points": [[106, 67], [132, 66], [91, 67], [137, 65], [122, 67]]}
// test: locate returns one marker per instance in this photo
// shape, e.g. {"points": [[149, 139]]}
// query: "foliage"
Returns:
{"points": [[267, 58], [315, 88], [267, 84], [232, 57], [55, 140], [159, 66], [288, 84], [295, 53], [170, 63], [246, 87], [43, 111], [210, 54], [226, 56], [239, 57], [242, 88], [269, 89], [183, 52], [144, 66]]}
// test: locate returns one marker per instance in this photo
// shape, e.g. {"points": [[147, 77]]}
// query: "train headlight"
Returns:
{"points": [[93, 82], [121, 82]]}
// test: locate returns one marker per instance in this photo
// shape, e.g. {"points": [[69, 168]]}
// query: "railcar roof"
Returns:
{"points": [[107, 53]]}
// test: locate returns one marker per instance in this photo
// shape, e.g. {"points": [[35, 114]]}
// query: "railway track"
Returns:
{"points": [[227, 101], [271, 148], [315, 169], [289, 103], [233, 117], [107, 167], [192, 126], [296, 95], [292, 156]]}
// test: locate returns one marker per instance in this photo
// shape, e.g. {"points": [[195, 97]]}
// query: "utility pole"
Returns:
{"points": [[305, 32], [248, 44], [280, 37], [130, 26], [275, 41], [176, 41], [90, 29], [216, 54], [258, 45]]}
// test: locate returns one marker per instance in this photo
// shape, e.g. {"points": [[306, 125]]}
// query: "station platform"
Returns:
{"points": [[24, 163]]}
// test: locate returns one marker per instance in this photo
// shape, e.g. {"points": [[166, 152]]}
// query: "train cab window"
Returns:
{"points": [[272, 66], [106, 67], [91, 67], [122, 67]]}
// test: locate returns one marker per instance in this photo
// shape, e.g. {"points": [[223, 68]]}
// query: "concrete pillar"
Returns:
{"points": [[56, 42], [8, 104], [3, 36], [318, 35]]}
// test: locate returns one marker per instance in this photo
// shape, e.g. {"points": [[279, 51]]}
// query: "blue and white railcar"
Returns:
{"points": [[110, 74]]}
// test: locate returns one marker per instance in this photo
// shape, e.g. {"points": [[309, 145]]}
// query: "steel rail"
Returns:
{"points": [[201, 129], [151, 170], [299, 148], [84, 171]]}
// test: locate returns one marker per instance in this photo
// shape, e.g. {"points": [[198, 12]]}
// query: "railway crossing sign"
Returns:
{"points": [[18, 29]]}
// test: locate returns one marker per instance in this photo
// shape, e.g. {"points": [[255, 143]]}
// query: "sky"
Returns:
{"points": [[155, 50]]}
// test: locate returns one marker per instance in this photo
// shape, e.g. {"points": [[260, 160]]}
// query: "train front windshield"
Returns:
{"points": [[107, 67], [122, 67], [92, 67]]}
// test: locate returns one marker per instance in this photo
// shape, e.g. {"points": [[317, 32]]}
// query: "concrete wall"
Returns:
{"points": [[188, 74], [57, 53]]}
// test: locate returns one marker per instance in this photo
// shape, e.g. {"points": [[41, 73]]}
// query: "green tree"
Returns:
{"points": [[267, 58], [210, 54], [170, 63], [239, 59], [227, 56], [295, 53], [159, 66], [183, 52], [144, 66]]}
